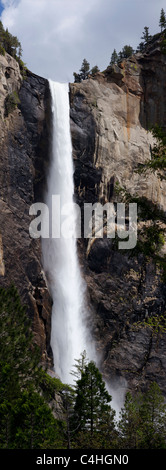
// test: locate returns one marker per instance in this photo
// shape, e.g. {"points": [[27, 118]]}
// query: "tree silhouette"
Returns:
{"points": [[162, 22], [146, 36], [114, 58]]}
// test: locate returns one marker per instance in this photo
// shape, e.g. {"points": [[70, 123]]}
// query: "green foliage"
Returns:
{"points": [[163, 46], [158, 154], [10, 43], [146, 36], [129, 424], [79, 366], [151, 232], [142, 423], [33, 424], [84, 72], [77, 77], [157, 324], [87, 419], [153, 418], [162, 22], [11, 102], [126, 52], [152, 238], [15, 340], [23, 69], [150, 241], [2, 50], [92, 410], [94, 70], [26, 419], [50, 386], [114, 58], [85, 69]]}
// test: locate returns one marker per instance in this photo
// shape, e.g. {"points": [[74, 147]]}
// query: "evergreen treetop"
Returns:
{"points": [[84, 70], [162, 22], [114, 58], [145, 35], [92, 398], [10, 43]]}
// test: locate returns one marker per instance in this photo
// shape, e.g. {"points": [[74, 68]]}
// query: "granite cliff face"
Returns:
{"points": [[110, 115], [23, 162]]}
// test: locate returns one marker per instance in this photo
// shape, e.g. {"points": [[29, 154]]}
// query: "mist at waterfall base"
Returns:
{"points": [[69, 332]]}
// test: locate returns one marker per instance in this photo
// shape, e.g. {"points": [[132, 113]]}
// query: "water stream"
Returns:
{"points": [[68, 332]]}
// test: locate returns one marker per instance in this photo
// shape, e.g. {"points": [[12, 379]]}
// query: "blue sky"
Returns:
{"points": [[56, 35], [1, 8]]}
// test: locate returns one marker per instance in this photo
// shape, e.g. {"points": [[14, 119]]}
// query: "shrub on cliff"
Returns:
{"points": [[84, 72], [10, 43], [126, 52], [11, 102]]}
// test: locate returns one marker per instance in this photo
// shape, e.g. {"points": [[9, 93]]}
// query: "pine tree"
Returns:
{"points": [[26, 419], [129, 424], [114, 58], [15, 340], [79, 366], [162, 22], [143, 420], [92, 408], [2, 32], [153, 417], [84, 70], [18, 362], [146, 36]]}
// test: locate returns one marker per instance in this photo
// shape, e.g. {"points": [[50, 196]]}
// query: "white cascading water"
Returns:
{"points": [[68, 332]]}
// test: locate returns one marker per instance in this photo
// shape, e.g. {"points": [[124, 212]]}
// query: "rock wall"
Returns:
{"points": [[109, 116], [24, 136]]}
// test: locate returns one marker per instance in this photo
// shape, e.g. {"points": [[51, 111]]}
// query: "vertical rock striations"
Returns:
{"points": [[23, 160]]}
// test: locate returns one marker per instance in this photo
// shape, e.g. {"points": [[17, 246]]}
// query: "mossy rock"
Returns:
{"points": [[11, 102], [163, 46], [2, 50]]}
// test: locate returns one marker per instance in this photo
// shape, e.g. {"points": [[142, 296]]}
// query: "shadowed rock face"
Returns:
{"points": [[23, 166], [109, 115]]}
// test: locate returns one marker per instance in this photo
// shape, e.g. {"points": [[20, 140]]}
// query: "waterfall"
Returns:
{"points": [[68, 332]]}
